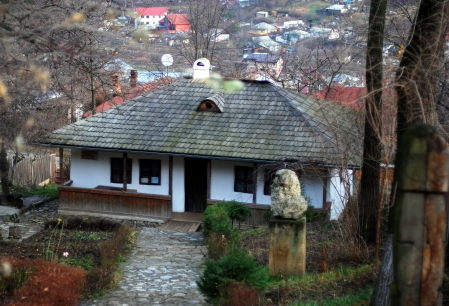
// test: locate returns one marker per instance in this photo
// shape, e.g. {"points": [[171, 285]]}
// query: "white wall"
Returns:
{"points": [[87, 173], [178, 196], [91, 173], [314, 189], [340, 187], [222, 185], [222, 182]]}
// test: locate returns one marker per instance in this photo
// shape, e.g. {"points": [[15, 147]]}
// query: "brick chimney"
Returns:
{"points": [[133, 78], [116, 89]]}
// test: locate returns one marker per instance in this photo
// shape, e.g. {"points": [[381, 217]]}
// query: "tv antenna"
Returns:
{"points": [[167, 60]]}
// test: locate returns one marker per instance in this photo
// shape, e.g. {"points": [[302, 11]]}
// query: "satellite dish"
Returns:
{"points": [[167, 60]]}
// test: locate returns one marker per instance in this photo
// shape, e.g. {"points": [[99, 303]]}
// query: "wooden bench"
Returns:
{"points": [[101, 187]]}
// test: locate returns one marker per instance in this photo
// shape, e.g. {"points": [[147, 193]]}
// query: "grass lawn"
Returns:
{"points": [[48, 190], [310, 7]]}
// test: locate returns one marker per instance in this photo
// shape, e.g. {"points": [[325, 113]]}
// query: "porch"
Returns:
{"points": [[114, 203]]}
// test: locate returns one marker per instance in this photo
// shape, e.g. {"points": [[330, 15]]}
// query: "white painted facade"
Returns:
{"points": [[340, 188], [222, 182], [150, 20], [179, 195], [87, 173]]}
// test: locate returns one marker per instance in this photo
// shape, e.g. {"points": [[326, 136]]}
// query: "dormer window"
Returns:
{"points": [[213, 104]]}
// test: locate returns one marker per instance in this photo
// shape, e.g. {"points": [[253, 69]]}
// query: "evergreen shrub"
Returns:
{"points": [[216, 220], [235, 266], [237, 211]]}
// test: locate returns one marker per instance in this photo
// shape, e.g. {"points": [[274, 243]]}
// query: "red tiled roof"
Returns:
{"points": [[178, 18], [151, 11], [132, 93], [352, 97]]}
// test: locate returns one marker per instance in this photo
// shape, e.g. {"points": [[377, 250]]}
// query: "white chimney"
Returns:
{"points": [[201, 68]]}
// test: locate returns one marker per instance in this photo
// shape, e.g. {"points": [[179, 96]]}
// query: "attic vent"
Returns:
{"points": [[214, 104]]}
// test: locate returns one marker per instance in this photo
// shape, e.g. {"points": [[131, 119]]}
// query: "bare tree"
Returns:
{"points": [[42, 46], [369, 197], [416, 81], [204, 17]]}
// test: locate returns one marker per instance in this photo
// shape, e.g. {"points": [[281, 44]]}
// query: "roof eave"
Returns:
{"points": [[239, 159]]}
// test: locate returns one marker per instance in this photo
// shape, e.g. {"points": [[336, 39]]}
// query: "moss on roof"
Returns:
{"points": [[260, 122]]}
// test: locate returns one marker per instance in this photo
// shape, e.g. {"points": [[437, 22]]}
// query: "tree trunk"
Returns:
{"points": [[369, 198], [415, 87], [381, 294], [4, 174], [417, 74]]}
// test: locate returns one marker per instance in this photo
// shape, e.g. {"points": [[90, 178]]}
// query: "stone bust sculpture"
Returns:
{"points": [[286, 199]]}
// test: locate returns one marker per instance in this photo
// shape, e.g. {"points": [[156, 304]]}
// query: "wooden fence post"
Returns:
{"points": [[420, 217]]}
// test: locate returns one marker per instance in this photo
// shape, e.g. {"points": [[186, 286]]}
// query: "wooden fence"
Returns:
{"points": [[33, 171]]}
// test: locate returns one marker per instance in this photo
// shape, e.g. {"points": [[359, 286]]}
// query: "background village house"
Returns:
{"points": [[174, 23], [150, 16], [187, 145], [264, 63]]}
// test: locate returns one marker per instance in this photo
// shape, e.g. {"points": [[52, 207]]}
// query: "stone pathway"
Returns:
{"points": [[162, 269], [32, 221]]}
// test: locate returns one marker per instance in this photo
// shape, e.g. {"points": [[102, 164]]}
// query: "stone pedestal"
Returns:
{"points": [[287, 246]]}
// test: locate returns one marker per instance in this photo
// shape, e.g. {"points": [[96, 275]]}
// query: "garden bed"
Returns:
{"points": [[95, 246], [336, 269]]}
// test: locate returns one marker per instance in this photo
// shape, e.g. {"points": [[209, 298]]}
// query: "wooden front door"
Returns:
{"points": [[195, 184]]}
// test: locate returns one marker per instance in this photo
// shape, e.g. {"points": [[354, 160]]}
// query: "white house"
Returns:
{"points": [[189, 144], [150, 16], [261, 14], [293, 23], [336, 10], [265, 43], [262, 28], [218, 35]]}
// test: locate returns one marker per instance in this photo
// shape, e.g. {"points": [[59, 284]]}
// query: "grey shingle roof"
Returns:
{"points": [[260, 122]]}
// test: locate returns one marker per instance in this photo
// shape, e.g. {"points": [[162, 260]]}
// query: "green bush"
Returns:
{"points": [[310, 213], [217, 246], [237, 211], [216, 220], [236, 266]]}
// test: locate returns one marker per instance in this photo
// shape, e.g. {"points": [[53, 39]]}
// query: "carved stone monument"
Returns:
{"points": [[286, 199], [287, 254]]}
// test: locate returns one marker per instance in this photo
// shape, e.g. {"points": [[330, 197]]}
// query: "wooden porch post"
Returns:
{"points": [[125, 187], [170, 183], [254, 183], [170, 176], [208, 178], [61, 166]]}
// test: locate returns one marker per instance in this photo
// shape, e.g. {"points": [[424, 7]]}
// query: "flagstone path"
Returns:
{"points": [[161, 270]]}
